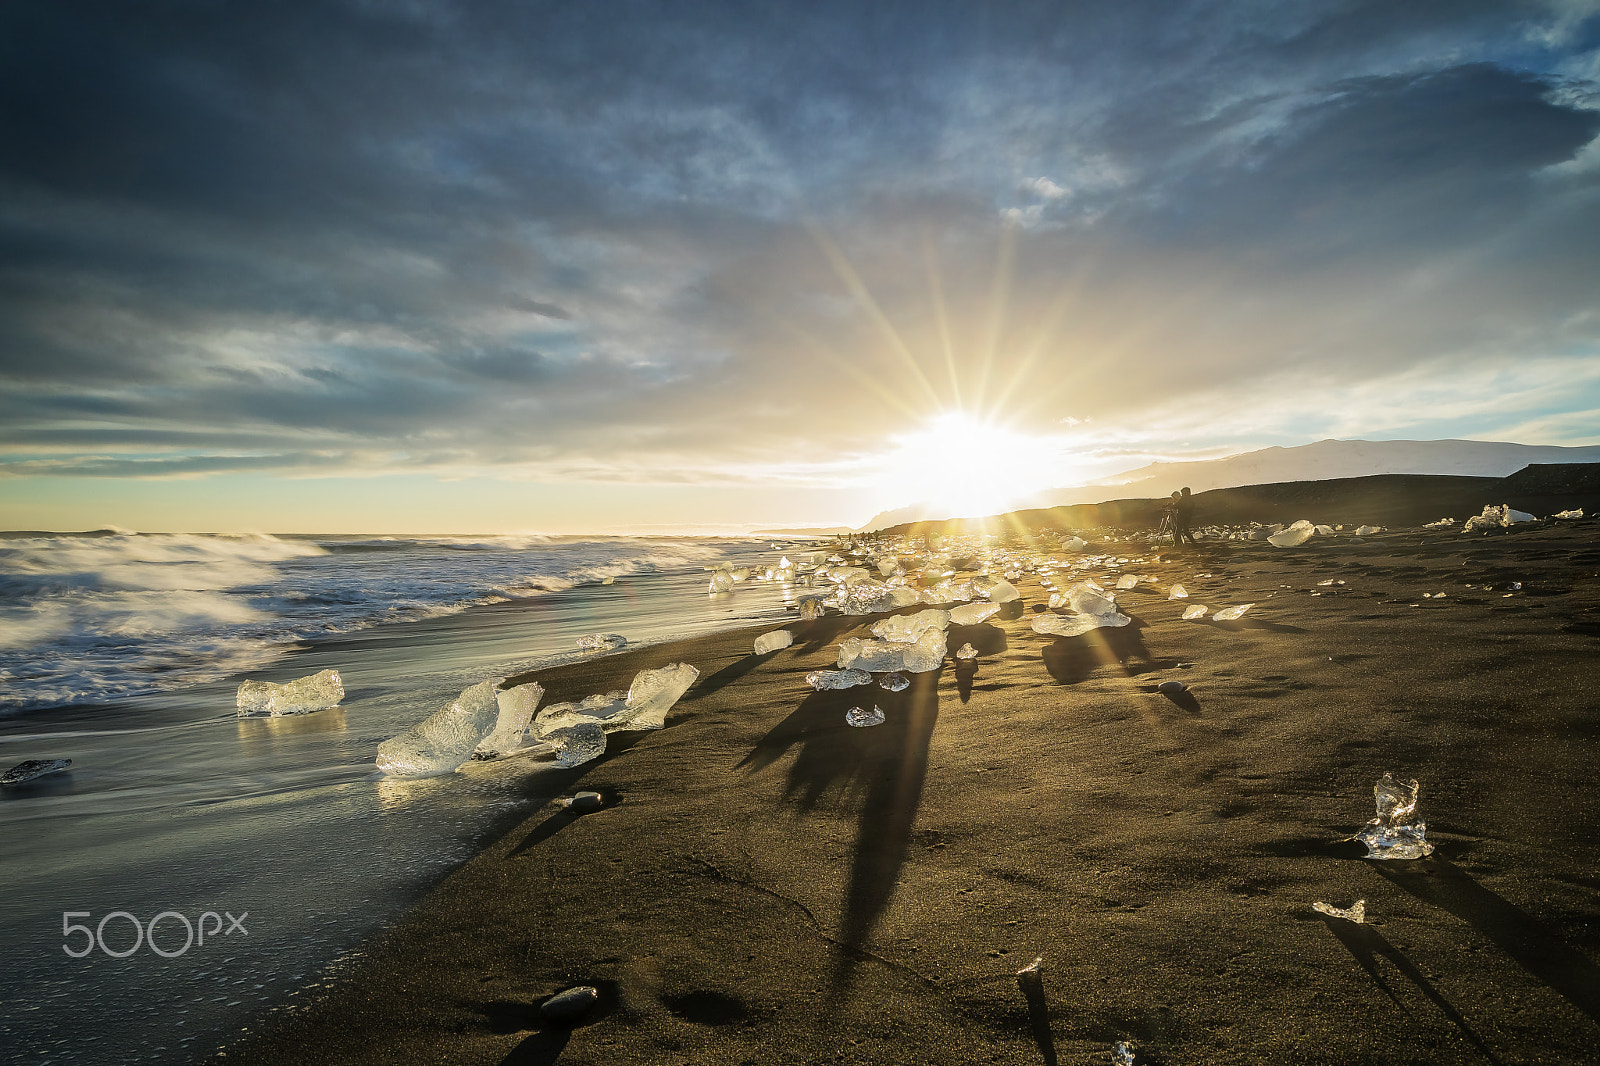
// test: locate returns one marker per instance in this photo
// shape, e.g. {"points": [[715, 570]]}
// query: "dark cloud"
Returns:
{"points": [[591, 234]]}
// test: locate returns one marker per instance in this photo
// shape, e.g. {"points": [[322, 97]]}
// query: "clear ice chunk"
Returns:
{"points": [[1074, 544], [1002, 592], [867, 597], [1356, 913], [601, 641], [721, 581], [1123, 1053], [1362, 531], [825, 680], [902, 596], [578, 744], [967, 651], [1075, 625], [906, 628], [926, 654], [896, 682], [516, 707], [1178, 593], [1087, 598], [315, 692], [1127, 581], [812, 608], [1294, 536], [444, 740], [767, 643], [1576, 512], [1228, 614], [878, 656], [1392, 835], [970, 614], [1194, 611], [862, 719], [655, 692], [32, 770]]}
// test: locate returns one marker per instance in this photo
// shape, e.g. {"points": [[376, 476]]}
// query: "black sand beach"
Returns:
{"points": [[767, 884]]}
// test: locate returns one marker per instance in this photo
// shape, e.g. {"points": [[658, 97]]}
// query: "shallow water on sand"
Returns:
{"points": [[173, 804]]}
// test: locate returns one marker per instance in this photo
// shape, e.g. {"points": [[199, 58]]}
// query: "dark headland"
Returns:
{"points": [[766, 884]]}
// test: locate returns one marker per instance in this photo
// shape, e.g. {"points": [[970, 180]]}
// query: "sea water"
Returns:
{"points": [[274, 837]]}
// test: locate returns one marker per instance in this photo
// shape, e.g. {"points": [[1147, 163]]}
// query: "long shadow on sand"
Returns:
{"points": [[1073, 659], [1542, 953], [1366, 944], [879, 770]]}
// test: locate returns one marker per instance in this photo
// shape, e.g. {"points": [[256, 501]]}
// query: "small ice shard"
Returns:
{"points": [[1033, 968], [32, 770], [1294, 536], [849, 649], [444, 740], [516, 707], [824, 680], [1362, 531], [1515, 586], [1122, 1053], [812, 608], [1002, 592], [1178, 593], [655, 692], [967, 652], [896, 682], [1171, 688], [1075, 625], [601, 641], [315, 692], [857, 717], [569, 1007], [767, 643], [1127, 581], [1357, 912], [970, 614], [584, 802], [926, 654], [721, 581], [1228, 614], [1576, 512], [906, 628], [1391, 835]]}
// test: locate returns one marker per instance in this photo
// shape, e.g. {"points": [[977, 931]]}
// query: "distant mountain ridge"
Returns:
{"points": [[1325, 460]]}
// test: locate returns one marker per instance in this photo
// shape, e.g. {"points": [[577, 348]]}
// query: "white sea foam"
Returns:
{"points": [[99, 616]]}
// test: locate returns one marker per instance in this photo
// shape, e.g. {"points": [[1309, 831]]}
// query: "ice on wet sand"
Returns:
{"points": [[1178, 593], [315, 692], [896, 682], [1075, 625], [906, 628], [577, 744], [32, 770], [971, 614], [601, 641], [1392, 834], [655, 692], [1357, 911], [862, 719], [826, 680], [516, 707], [1194, 611], [767, 643], [1228, 614], [1294, 536], [444, 740]]}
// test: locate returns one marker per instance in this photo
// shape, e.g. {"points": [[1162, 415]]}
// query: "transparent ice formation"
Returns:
{"points": [[877, 656], [1356, 913], [902, 596], [949, 592], [609, 579], [1228, 614], [1294, 536], [857, 717], [516, 707], [609, 709], [1075, 625], [867, 597], [1194, 611], [1392, 834], [1033, 968], [654, 692], [601, 641], [970, 614], [721, 581], [32, 770], [895, 682], [1496, 517], [1178, 593], [315, 692], [967, 652], [1086, 598], [1122, 1053], [905, 628], [444, 740], [1362, 531], [926, 654], [1002, 592], [811, 608], [1074, 544], [1324, 531], [741, 573], [577, 744], [1127, 581], [824, 680], [767, 643]]}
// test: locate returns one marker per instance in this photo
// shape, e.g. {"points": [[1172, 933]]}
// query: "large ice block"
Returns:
{"points": [[721, 581], [767, 643], [1392, 834], [655, 692], [1075, 625], [906, 628], [315, 692], [1088, 599], [1294, 536], [970, 614], [444, 740], [516, 707]]}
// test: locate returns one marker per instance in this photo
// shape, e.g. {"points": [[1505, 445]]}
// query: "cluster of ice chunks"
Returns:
{"points": [[767, 643], [1496, 517], [828, 680], [721, 581], [444, 740], [316, 692], [1228, 614], [1392, 834], [1294, 536], [510, 732], [577, 731], [890, 656], [601, 641]]}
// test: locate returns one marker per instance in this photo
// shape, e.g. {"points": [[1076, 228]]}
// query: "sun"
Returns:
{"points": [[964, 467]]}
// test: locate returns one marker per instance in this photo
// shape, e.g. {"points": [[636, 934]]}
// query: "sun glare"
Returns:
{"points": [[964, 468]]}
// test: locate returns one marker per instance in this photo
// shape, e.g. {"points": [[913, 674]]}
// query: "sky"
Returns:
{"points": [[411, 266]]}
